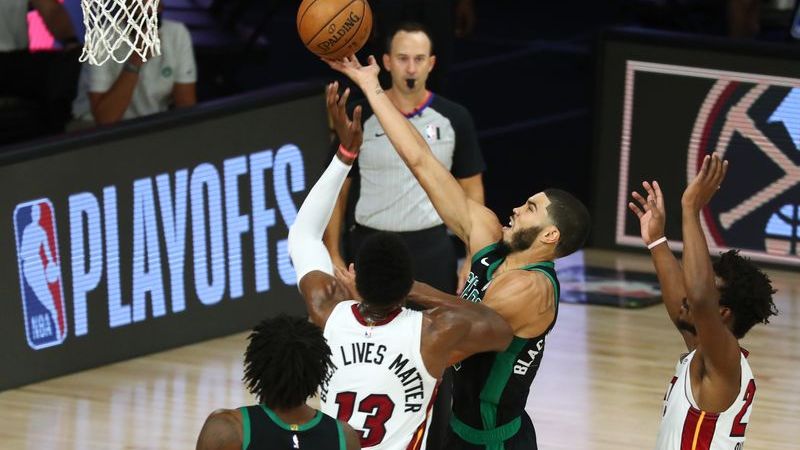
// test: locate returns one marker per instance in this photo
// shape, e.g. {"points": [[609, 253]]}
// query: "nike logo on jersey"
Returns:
{"points": [[485, 262], [379, 134]]}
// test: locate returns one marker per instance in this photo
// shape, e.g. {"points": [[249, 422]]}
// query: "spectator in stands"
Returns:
{"points": [[115, 91]]}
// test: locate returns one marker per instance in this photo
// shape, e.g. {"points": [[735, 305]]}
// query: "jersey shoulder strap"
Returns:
{"points": [[245, 427], [483, 252]]}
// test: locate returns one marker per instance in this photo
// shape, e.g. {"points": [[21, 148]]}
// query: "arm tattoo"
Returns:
{"points": [[378, 90]]}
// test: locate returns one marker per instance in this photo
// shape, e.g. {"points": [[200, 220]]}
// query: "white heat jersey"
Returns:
{"points": [[379, 384], [685, 427]]}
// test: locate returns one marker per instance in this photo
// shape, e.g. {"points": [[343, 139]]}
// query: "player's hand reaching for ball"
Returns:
{"points": [[650, 211], [366, 77]]}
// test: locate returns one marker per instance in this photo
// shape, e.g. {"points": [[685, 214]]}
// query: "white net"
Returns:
{"points": [[115, 29]]}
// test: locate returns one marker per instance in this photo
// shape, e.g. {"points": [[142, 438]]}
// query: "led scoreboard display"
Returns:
{"points": [[159, 233], [666, 101]]}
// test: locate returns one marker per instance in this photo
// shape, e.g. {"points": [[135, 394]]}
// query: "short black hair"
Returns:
{"points": [[286, 361], [746, 290], [571, 218], [384, 271], [408, 27]]}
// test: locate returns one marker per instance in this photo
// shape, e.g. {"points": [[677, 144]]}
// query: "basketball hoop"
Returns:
{"points": [[117, 28]]}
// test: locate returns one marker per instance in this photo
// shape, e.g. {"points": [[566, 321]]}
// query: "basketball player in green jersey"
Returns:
{"points": [[512, 273], [286, 361]]}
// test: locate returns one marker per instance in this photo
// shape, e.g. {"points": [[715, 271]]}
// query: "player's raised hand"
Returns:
{"points": [[366, 77], [708, 180], [650, 211], [348, 130]]}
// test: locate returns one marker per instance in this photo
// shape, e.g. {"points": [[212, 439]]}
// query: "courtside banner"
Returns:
{"points": [[666, 107], [155, 234]]}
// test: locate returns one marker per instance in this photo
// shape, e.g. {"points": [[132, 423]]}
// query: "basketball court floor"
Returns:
{"points": [[600, 386]]}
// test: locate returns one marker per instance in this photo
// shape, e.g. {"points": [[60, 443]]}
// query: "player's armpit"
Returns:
{"points": [[526, 300], [222, 431], [719, 353], [321, 292], [716, 344]]}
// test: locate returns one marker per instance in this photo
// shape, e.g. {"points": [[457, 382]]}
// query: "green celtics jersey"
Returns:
{"points": [[490, 389]]}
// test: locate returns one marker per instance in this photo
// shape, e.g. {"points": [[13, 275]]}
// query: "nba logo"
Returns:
{"points": [[432, 133], [40, 274]]}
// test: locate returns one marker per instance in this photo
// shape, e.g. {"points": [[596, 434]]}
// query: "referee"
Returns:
{"points": [[387, 197], [384, 193]]}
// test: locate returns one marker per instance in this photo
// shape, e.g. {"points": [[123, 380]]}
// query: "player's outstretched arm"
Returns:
{"points": [[428, 297], [720, 349], [461, 329], [344, 127], [652, 217], [476, 225], [221, 431], [312, 262]]}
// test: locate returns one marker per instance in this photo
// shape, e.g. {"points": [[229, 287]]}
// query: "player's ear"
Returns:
{"points": [[433, 61], [550, 235], [726, 314], [386, 61]]}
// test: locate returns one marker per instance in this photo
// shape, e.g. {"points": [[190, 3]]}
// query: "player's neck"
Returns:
{"points": [[530, 256], [296, 416], [407, 103], [373, 314]]}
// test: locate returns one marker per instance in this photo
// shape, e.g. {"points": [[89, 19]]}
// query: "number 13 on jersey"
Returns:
{"points": [[379, 409]]}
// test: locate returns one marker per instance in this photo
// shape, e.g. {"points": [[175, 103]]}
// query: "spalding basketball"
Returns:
{"points": [[334, 28]]}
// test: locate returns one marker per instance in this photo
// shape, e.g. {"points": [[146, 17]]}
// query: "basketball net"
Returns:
{"points": [[117, 28]]}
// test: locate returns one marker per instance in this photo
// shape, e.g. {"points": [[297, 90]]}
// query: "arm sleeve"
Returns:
{"points": [[306, 248], [467, 157]]}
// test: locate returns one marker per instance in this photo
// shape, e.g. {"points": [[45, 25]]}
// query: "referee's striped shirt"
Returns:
{"points": [[390, 198]]}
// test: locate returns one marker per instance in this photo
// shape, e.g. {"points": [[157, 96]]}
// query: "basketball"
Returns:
{"points": [[334, 28]]}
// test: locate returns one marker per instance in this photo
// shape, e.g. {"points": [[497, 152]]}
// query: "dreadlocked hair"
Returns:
{"points": [[746, 290], [286, 360]]}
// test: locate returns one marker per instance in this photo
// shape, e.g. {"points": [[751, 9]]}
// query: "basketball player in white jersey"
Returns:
{"points": [[709, 400], [387, 359]]}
